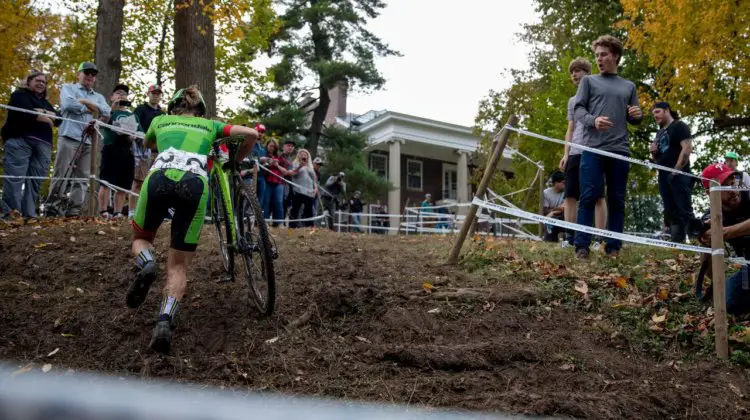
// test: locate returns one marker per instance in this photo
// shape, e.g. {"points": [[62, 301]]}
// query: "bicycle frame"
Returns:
{"points": [[223, 176]]}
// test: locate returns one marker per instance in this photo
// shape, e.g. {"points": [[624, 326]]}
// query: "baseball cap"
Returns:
{"points": [[341, 174], [154, 88], [87, 65], [732, 155], [558, 176], [717, 171], [260, 128], [318, 160], [121, 86]]}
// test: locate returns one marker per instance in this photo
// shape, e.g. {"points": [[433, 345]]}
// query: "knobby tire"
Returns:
{"points": [[247, 201], [220, 214]]}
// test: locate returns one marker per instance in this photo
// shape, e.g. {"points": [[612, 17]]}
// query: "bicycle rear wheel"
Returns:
{"points": [[255, 250], [220, 219]]}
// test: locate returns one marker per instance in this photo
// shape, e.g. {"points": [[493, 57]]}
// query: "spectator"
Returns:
{"points": [[274, 195], [250, 170], [317, 163], [335, 186], [672, 147], [605, 103], [355, 208], [79, 102], [732, 160], [735, 213], [145, 112], [28, 146], [554, 207], [303, 174], [288, 157], [427, 202], [571, 161], [118, 161]]}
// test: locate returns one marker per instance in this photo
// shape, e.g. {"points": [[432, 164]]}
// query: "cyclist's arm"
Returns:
{"points": [[247, 146]]}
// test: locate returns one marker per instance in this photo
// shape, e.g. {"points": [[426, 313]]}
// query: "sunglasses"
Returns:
{"points": [[90, 72]]}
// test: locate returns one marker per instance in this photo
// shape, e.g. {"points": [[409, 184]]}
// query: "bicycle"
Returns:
{"points": [[242, 230]]}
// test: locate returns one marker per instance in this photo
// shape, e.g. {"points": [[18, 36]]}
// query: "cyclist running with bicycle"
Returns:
{"points": [[178, 179]]}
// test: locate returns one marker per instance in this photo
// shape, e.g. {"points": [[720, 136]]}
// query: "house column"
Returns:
{"points": [[394, 176], [462, 179]]}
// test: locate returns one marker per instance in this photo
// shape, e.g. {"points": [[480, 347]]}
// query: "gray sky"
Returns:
{"points": [[454, 53]]}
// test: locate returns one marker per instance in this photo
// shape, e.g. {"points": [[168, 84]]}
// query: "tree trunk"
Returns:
{"points": [[162, 45], [108, 47], [194, 50], [316, 126]]}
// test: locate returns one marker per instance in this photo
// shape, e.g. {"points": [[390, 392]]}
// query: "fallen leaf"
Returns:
{"points": [[72, 239], [21, 371], [568, 366], [272, 340], [79, 290], [46, 368], [663, 293], [582, 287], [434, 311], [101, 232], [362, 339], [427, 287], [736, 390], [53, 352], [659, 318], [621, 282]]}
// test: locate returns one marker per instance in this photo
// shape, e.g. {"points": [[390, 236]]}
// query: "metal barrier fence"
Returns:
{"points": [[34, 395]]}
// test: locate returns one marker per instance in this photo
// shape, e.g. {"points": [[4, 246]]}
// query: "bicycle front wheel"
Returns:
{"points": [[256, 251], [220, 219]]}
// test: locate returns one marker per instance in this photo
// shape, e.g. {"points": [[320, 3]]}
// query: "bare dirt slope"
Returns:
{"points": [[354, 320]]}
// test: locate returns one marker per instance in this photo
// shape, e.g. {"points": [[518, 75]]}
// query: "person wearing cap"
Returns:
{"points": [[118, 162], [78, 102], [672, 147], [735, 213], [732, 160], [28, 145], [356, 205], [554, 205], [335, 186], [145, 112]]}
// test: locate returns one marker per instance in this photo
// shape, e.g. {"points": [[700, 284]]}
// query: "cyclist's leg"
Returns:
{"points": [[187, 223], [152, 204]]}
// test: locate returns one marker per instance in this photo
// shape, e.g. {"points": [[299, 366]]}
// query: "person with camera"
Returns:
{"points": [[118, 161], [335, 186], [735, 212]]}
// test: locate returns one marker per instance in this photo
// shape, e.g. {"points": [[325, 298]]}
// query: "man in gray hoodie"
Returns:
{"points": [[605, 103]]}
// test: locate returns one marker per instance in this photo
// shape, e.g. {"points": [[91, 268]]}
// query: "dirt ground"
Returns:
{"points": [[354, 320]]}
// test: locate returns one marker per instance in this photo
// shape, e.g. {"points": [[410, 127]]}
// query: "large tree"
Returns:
{"points": [[327, 41], [108, 50], [194, 49]]}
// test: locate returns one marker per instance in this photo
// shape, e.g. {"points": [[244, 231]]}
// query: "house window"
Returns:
{"points": [[414, 174], [450, 182], [379, 165]]}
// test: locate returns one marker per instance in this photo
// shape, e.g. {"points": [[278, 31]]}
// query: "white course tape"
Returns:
{"points": [[604, 153], [309, 219], [114, 187], [605, 233], [45, 178], [120, 130], [729, 188]]}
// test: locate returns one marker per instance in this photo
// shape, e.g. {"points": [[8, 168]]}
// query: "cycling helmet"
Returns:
{"points": [[260, 128], [177, 101]]}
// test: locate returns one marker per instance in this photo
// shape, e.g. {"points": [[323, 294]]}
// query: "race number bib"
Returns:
{"points": [[184, 161]]}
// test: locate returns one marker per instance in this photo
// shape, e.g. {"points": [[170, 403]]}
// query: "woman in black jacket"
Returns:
{"points": [[28, 145]]}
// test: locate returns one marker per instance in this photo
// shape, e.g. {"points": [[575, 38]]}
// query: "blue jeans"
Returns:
{"points": [[274, 200], [357, 222], [261, 188], [24, 157], [595, 170], [738, 296]]}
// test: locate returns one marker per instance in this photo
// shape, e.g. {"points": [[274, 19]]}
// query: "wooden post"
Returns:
{"points": [[717, 277], [541, 202], [498, 147], [93, 197]]}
